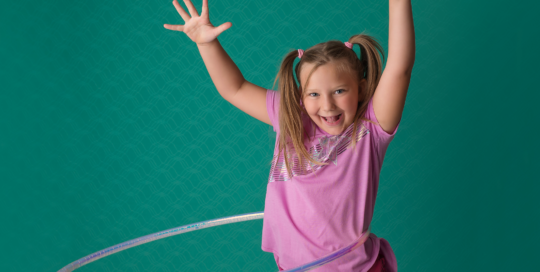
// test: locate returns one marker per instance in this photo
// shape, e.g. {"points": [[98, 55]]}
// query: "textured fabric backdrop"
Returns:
{"points": [[112, 129]]}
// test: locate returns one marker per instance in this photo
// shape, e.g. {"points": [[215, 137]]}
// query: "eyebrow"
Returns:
{"points": [[342, 85]]}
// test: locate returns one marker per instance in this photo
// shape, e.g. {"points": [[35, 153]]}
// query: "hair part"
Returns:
{"points": [[368, 66]]}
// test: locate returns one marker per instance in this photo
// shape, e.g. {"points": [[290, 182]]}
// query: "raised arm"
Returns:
{"points": [[228, 79], [389, 97], [230, 83]]}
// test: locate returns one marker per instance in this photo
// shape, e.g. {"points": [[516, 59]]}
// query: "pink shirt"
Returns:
{"points": [[309, 216]]}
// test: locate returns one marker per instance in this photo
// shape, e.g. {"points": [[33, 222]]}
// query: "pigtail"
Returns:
{"points": [[370, 61], [292, 132], [368, 66]]}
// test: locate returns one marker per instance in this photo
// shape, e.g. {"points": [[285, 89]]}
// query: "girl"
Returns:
{"points": [[335, 127]]}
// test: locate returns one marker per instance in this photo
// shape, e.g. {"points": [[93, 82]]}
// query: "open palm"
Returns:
{"points": [[197, 28]]}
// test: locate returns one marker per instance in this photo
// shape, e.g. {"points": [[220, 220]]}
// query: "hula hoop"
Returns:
{"points": [[206, 224]]}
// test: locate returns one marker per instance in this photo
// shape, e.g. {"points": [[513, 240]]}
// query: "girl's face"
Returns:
{"points": [[328, 94]]}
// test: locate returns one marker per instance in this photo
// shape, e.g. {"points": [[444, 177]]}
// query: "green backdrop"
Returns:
{"points": [[112, 129]]}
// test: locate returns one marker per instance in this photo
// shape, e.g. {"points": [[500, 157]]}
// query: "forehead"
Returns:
{"points": [[325, 76]]}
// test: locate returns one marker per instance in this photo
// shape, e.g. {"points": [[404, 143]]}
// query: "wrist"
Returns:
{"points": [[214, 41]]}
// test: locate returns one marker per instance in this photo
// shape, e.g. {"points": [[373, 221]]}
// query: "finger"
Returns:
{"points": [[181, 11], [174, 27], [191, 8], [204, 8], [222, 28]]}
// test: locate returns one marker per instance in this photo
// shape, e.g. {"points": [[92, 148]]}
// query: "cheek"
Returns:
{"points": [[310, 109], [351, 108], [313, 114]]}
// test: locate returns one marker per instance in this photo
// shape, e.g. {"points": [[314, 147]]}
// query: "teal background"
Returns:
{"points": [[112, 129]]}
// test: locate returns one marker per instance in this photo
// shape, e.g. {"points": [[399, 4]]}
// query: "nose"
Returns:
{"points": [[327, 104]]}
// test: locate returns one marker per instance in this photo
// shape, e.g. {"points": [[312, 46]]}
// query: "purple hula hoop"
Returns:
{"points": [[206, 224]]}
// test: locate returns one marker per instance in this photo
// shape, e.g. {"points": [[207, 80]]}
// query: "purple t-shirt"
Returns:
{"points": [[326, 208]]}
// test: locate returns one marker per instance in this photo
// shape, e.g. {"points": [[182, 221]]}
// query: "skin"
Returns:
{"points": [[324, 98]]}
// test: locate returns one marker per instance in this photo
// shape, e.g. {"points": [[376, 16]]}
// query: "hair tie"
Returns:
{"points": [[348, 44], [300, 53]]}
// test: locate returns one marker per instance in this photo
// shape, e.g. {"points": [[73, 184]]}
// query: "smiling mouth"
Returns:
{"points": [[333, 121], [326, 117]]}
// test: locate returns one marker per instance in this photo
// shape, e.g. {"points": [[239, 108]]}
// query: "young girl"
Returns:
{"points": [[335, 127]]}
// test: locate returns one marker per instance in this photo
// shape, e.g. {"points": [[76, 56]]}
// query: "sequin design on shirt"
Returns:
{"points": [[327, 150]]}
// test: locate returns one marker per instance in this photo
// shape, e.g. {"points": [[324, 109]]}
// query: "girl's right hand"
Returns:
{"points": [[197, 28]]}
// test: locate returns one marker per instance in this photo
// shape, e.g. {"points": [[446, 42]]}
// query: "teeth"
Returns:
{"points": [[335, 116]]}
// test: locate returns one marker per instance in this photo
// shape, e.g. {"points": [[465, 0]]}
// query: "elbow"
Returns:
{"points": [[408, 69]]}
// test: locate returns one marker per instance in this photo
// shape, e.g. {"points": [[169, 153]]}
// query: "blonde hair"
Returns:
{"points": [[368, 66]]}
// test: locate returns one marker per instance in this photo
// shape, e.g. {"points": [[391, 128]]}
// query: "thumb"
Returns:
{"points": [[218, 30]]}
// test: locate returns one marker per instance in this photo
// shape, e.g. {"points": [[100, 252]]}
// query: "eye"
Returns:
{"points": [[342, 90]]}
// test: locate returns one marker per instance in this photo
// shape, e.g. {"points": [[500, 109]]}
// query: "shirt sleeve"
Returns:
{"points": [[272, 107], [382, 137]]}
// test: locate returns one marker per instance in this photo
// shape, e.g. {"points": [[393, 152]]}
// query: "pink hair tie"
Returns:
{"points": [[348, 44], [300, 53]]}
